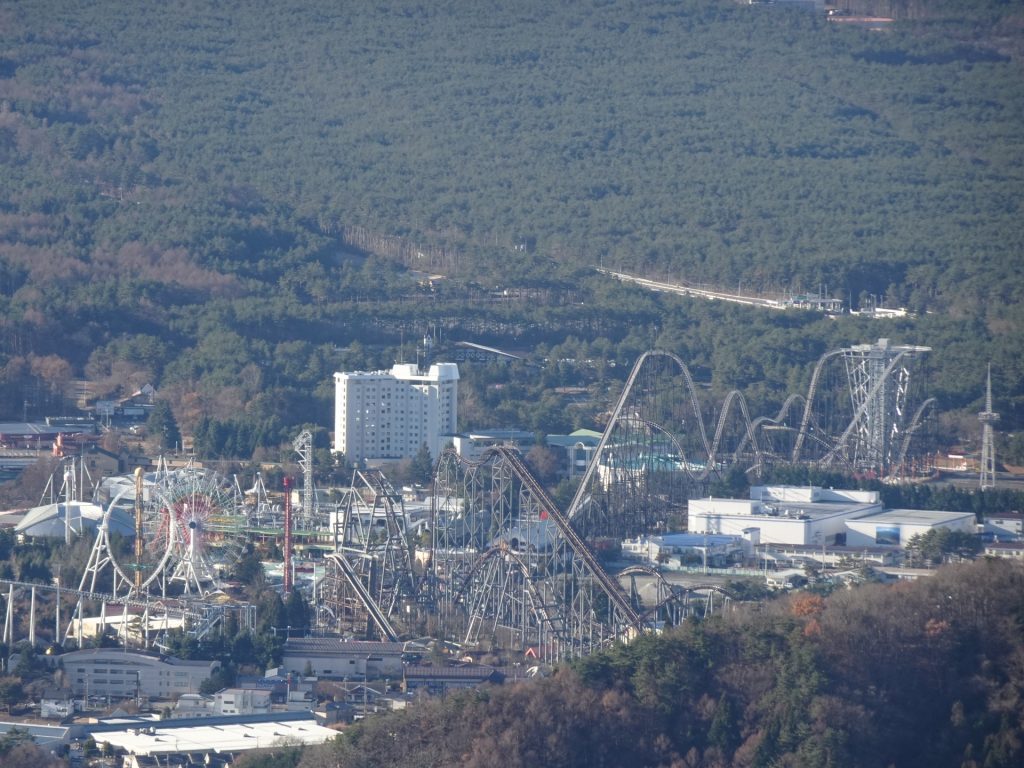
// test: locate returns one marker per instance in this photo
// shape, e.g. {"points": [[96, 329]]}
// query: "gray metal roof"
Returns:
{"points": [[335, 646]]}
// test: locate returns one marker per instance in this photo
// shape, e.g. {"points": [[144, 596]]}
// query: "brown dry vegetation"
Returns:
{"points": [[925, 674]]}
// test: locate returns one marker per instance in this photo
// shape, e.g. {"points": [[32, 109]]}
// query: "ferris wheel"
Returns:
{"points": [[141, 507], [188, 528], [205, 526]]}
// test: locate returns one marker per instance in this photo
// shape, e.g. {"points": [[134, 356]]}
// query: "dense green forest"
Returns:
{"points": [[924, 674], [227, 198]]}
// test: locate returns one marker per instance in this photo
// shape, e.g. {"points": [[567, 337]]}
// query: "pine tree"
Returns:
{"points": [[162, 425], [422, 468]]}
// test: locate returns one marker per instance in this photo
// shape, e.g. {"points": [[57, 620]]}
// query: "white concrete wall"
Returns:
{"points": [[724, 507], [864, 533], [773, 530], [1004, 526]]}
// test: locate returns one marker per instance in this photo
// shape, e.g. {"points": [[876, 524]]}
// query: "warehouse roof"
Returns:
{"points": [[916, 517], [316, 646], [236, 737]]}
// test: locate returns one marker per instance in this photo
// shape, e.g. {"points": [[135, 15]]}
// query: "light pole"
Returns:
{"points": [[366, 670]]}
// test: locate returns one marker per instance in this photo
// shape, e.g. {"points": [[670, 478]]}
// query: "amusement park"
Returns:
{"points": [[483, 557]]}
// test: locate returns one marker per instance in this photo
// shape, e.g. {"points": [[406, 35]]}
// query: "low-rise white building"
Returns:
{"points": [[333, 657], [471, 445], [715, 551], [1006, 525], [118, 673], [784, 514], [166, 739], [242, 701], [1011, 550], [57, 704], [895, 527], [192, 705], [229, 701]]}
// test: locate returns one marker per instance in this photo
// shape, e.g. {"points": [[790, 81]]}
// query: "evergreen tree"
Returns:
{"points": [[162, 426], [422, 468], [297, 612]]}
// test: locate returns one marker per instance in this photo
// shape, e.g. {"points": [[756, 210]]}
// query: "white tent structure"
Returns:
{"points": [[53, 520]]}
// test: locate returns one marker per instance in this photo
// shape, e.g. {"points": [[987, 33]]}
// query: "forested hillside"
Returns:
{"points": [[925, 674], [180, 180]]}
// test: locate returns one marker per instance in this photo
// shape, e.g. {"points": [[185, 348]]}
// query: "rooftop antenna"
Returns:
{"points": [[988, 445]]}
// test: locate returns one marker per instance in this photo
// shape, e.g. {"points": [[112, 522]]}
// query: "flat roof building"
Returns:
{"points": [[810, 516], [1012, 550], [390, 414], [471, 445], [439, 681], [122, 674], [333, 657], [229, 701], [1005, 525], [216, 737], [784, 514], [895, 527], [714, 550]]}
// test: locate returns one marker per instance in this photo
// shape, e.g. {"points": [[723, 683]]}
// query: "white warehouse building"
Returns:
{"points": [[784, 514], [390, 414], [895, 527]]}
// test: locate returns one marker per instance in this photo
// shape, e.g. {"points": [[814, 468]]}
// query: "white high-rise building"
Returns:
{"points": [[390, 414]]}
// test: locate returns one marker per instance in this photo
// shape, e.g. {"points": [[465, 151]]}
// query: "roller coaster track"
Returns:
{"points": [[184, 607], [682, 593], [779, 419], [582, 492], [711, 450], [734, 395], [654, 427], [541, 608], [611, 587], [778, 422], [675, 591], [809, 402], [915, 424], [195, 613], [712, 461], [376, 614], [863, 408], [376, 480]]}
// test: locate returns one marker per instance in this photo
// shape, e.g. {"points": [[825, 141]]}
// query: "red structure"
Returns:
{"points": [[287, 535]]}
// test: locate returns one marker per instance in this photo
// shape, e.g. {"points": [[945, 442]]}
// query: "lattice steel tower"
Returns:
{"points": [[988, 445], [879, 379], [303, 446]]}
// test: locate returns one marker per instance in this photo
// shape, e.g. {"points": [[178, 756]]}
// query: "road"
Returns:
{"points": [[683, 290]]}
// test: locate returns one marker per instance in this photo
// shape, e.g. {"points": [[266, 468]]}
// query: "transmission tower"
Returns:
{"points": [[988, 446]]}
